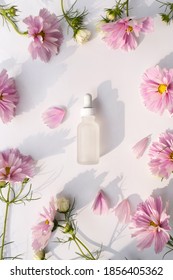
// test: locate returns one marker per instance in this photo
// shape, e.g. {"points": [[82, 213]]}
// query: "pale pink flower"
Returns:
{"points": [[161, 155], [100, 205], [157, 89], [53, 116], [123, 211], [123, 33], [151, 224], [41, 233], [8, 97], [46, 34], [15, 167], [140, 147]]}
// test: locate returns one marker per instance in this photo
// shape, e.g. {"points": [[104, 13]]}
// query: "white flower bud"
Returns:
{"points": [[82, 36], [63, 204]]}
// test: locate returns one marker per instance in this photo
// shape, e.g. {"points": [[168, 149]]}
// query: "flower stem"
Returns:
{"points": [[4, 15], [84, 246], [65, 15], [5, 223], [127, 8]]}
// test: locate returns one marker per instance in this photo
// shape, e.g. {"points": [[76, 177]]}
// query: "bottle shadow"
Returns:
{"points": [[43, 145], [111, 117], [87, 180]]}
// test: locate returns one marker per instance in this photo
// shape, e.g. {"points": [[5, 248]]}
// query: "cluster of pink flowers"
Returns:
{"points": [[161, 155], [151, 224], [8, 97], [15, 167], [157, 89], [123, 33], [46, 34], [41, 233]]}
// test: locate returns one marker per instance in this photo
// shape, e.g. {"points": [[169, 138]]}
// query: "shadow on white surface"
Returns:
{"points": [[87, 180], [114, 190], [111, 117], [167, 61], [144, 8], [43, 145]]}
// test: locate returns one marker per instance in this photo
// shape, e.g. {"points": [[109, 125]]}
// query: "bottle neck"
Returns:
{"points": [[88, 118]]}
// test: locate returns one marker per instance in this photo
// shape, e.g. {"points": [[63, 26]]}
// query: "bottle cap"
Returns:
{"points": [[87, 109]]}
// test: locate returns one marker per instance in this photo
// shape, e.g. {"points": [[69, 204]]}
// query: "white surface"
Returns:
{"points": [[113, 77]]}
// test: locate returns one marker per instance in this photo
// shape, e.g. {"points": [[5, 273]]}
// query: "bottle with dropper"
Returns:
{"points": [[88, 139]]}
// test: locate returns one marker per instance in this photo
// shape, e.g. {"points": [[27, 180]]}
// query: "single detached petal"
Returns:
{"points": [[140, 147], [100, 205], [123, 211], [53, 116]]}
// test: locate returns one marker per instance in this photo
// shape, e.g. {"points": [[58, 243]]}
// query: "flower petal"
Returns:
{"points": [[53, 116], [140, 147]]}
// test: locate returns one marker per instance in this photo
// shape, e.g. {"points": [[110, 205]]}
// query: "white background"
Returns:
{"points": [[113, 77]]}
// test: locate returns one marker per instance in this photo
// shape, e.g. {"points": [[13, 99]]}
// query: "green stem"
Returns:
{"points": [[127, 8], [65, 15], [5, 223], [83, 245], [4, 15]]}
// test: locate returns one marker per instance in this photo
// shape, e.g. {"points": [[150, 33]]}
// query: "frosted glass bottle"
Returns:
{"points": [[88, 136]]}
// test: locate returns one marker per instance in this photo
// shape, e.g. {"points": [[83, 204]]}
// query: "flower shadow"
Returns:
{"points": [[111, 117]]}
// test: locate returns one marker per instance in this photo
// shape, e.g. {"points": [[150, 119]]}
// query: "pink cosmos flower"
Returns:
{"points": [[151, 224], [161, 155], [8, 97], [15, 167], [53, 116], [46, 34], [140, 147], [157, 89], [41, 233], [122, 211], [123, 33], [100, 205]]}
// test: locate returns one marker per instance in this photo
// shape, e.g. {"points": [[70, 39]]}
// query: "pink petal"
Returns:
{"points": [[122, 211], [140, 147], [53, 116], [100, 205]]}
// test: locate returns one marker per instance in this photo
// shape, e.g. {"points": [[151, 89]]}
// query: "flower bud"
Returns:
{"points": [[68, 228], [12, 11], [110, 15], [40, 255], [63, 204], [82, 36]]}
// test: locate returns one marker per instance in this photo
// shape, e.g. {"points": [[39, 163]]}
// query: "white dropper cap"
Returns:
{"points": [[87, 109]]}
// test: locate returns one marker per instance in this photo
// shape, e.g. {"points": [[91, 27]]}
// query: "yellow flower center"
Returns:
{"points": [[129, 29], [171, 156], [47, 222], [162, 88], [7, 170], [153, 224]]}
